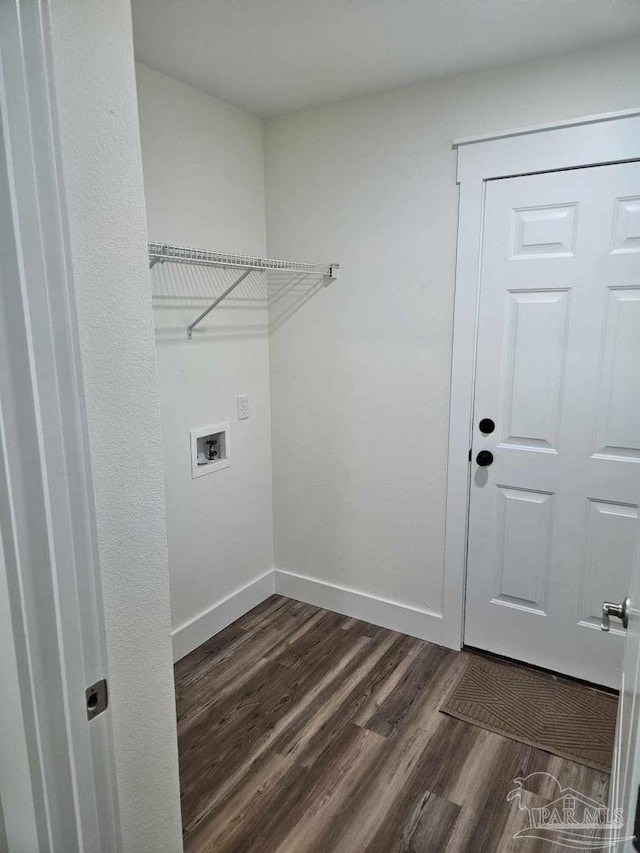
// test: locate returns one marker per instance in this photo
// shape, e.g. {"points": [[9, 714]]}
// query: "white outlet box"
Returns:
{"points": [[210, 449], [243, 407]]}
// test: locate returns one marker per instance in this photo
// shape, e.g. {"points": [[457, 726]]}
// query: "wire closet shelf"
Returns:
{"points": [[163, 253]]}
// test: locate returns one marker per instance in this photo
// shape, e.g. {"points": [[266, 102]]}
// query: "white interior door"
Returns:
{"points": [[553, 520], [625, 777]]}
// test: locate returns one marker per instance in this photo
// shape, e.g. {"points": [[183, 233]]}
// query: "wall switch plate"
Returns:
{"points": [[243, 407]]}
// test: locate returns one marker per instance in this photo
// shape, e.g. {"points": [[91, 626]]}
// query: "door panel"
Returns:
{"points": [[553, 521], [522, 535], [533, 377], [544, 231], [618, 431], [626, 230], [611, 534]]}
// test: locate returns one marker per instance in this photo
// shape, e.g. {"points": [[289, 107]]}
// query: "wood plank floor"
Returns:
{"points": [[302, 731]]}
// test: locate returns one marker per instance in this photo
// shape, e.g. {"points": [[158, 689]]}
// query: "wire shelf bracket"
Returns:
{"points": [[163, 253]]}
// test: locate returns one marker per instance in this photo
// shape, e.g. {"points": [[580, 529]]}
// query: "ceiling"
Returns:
{"points": [[272, 56]]}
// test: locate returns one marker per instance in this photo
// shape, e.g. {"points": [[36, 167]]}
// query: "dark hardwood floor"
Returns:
{"points": [[301, 730]]}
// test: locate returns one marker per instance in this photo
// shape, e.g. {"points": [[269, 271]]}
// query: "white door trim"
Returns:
{"points": [[539, 128], [590, 141], [48, 566]]}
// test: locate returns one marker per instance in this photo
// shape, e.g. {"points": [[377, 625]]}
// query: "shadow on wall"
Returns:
{"points": [[260, 304], [288, 293]]}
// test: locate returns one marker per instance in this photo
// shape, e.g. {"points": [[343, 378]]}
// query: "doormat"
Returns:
{"points": [[556, 714]]}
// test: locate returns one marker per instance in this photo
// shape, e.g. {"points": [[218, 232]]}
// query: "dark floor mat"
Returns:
{"points": [[558, 715]]}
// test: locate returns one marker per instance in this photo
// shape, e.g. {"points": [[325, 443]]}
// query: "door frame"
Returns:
{"points": [[576, 143], [57, 772]]}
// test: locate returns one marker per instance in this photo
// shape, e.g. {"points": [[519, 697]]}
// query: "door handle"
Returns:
{"points": [[620, 611]]}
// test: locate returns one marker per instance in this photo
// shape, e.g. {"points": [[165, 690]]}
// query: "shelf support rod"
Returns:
{"points": [[222, 296]]}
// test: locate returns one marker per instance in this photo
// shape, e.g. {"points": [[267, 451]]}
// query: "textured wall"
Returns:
{"points": [[203, 166], [95, 90], [361, 372]]}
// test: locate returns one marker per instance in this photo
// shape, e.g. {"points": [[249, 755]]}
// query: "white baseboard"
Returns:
{"points": [[414, 621], [417, 622], [205, 625]]}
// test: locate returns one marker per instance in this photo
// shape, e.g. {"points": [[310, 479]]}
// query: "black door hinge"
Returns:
{"points": [[97, 698], [470, 449]]}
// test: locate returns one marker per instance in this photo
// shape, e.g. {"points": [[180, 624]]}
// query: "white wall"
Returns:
{"points": [[204, 182], [95, 91], [361, 373]]}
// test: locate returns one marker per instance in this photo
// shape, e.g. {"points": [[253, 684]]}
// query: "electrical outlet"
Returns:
{"points": [[243, 407]]}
